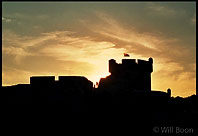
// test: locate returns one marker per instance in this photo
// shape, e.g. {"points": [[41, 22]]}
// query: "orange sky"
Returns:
{"points": [[79, 39]]}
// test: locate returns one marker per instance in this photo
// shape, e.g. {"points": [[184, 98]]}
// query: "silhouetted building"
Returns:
{"points": [[126, 93], [17, 94], [128, 88], [42, 81], [129, 75], [169, 92], [64, 82], [77, 84]]}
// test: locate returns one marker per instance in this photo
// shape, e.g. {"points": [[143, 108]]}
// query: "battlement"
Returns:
{"points": [[131, 65], [134, 74], [79, 82], [42, 80], [74, 80]]}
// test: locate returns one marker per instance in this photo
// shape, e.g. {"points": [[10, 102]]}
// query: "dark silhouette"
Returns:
{"points": [[129, 75], [126, 91]]}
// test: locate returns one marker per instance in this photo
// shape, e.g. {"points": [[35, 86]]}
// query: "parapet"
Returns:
{"points": [[128, 61], [146, 66], [73, 80], [70, 79], [131, 65], [42, 80]]}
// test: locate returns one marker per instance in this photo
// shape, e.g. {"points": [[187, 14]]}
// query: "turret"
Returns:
{"points": [[136, 74], [169, 92], [151, 63], [112, 65]]}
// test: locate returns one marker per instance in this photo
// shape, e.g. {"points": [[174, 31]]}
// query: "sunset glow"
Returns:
{"points": [[78, 38]]}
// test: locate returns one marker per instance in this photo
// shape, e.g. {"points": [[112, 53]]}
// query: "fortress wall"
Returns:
{"points": [[137, 74], [42, 80]]}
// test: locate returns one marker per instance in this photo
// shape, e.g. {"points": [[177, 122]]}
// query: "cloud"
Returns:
{"points": [[18, 46], [182, 84], [87, 49], [172, 57], [35, 62], [164, 10], [58, 51], [20, 76], [19, 53], [111, 28], [25, 16], [7, 20], [161, 9]]}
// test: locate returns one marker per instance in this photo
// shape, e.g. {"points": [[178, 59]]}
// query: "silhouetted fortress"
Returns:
{"points": [[73, 84], [126, 94], [130, 75], [127, 88], [46, 90], [131, 78]]}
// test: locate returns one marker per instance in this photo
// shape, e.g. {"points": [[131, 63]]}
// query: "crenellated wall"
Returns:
{"points": [[136, 74]]}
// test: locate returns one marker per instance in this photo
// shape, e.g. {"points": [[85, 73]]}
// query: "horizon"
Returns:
{"points": [[78, 38]]}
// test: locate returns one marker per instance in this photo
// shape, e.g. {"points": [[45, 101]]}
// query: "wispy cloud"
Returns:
{"points": [[20, 76], [168, 52], [25, 16], [17, 45], [113, 29], [87, 49], [62, 48], [8, 20], [163, 10]]}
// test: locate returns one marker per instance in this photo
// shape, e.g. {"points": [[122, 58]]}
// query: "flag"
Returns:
{"points": [[126, 55]]}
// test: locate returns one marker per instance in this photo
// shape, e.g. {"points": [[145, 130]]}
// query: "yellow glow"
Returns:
{"points": [[85, 56]]}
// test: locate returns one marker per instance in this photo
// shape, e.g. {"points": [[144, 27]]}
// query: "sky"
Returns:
{"points": [[78, 38]]}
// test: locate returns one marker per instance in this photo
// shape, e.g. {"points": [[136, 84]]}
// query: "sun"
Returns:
{"points": [[101, 73]]}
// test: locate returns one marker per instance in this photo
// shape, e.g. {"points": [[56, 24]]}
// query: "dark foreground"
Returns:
{"points": [[99, 113]]}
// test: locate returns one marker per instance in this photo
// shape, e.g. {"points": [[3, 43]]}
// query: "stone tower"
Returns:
{"points": [[130, 74]]}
